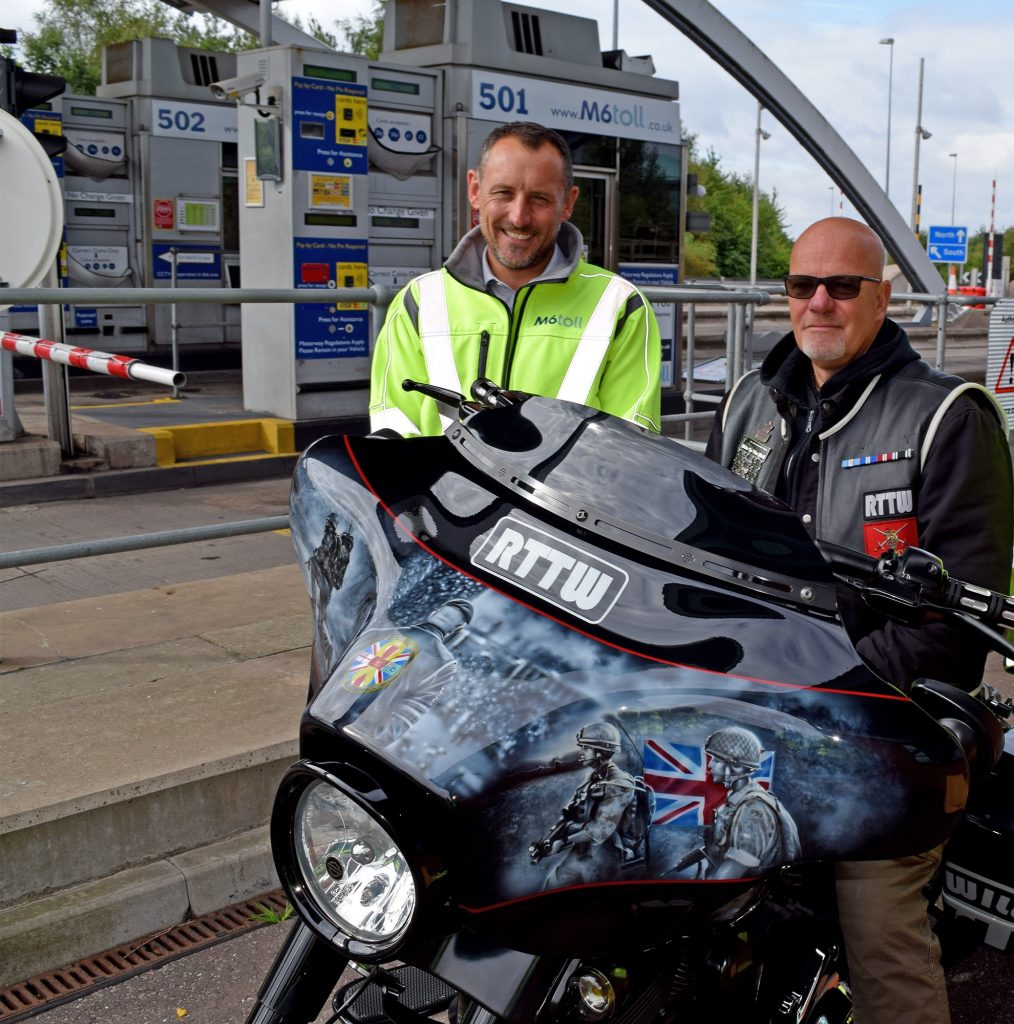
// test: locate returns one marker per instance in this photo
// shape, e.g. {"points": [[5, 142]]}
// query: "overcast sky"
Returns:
{"points": [[830, 49]]}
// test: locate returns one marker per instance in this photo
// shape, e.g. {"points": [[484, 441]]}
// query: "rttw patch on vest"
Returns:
{"points": [[885, 522], [562, 574]]}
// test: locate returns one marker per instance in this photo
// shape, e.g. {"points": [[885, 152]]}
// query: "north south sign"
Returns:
{"points": [[947, 244]]}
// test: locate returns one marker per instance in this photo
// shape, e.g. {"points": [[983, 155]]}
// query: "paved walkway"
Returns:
{"points": [[142, 728]]}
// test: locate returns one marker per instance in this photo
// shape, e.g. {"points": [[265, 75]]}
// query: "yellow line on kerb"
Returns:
{"points": [[124, 405]]}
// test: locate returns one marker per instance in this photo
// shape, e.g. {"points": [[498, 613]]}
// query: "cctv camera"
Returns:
{"points": [[236, 88]]}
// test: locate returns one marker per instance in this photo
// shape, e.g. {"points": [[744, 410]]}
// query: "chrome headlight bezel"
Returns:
{"points": [[301, 874]]}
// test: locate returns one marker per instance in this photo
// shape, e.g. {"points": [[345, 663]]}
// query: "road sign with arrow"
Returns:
{"points": [[947, 245]]}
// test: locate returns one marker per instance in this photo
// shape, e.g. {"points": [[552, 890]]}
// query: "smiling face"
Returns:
{"points": [[522, 199], [833, 332]]}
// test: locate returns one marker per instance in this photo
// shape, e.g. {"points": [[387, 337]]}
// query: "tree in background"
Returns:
{"points": [[364, 34], [70, 35], [724, 251]]}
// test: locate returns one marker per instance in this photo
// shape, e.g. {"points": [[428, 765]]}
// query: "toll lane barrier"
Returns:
{"points": [[232, 440]]}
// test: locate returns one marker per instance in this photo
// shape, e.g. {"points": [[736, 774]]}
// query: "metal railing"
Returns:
{"points": [[741, 303], [738, 357], [139, 542]]}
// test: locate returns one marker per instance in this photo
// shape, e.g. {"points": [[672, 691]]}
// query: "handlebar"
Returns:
{"points": [[905, 585], [484, 391]]}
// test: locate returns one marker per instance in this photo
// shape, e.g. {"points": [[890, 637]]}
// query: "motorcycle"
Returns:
{"points": [[585, 731]]}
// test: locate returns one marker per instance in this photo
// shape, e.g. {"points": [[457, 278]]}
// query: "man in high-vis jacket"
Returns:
{"points": [[874, 448], [517, 303]]}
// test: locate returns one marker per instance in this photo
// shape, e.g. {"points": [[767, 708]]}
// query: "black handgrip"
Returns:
{"points": [[848, 561], [443, 395]]}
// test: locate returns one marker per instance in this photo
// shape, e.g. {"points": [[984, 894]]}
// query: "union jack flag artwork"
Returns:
{"points": [[378, 664], [679, 776]]}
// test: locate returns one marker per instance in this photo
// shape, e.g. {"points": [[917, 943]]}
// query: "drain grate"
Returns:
{"points": [[66, 983]]}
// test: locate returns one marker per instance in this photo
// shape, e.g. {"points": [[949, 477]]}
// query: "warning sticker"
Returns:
{"points": [[1000, 356]]}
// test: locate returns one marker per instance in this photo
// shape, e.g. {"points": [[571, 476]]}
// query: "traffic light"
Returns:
{"points": [[21, 91], [697, 222]]}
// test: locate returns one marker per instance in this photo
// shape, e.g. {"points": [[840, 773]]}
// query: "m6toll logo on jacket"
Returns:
{"points": [[560, 320], [884, 523], [564, 575]]}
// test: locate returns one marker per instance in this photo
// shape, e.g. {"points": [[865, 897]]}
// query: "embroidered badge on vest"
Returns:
{"points": [[885, 523], [870, 460], [752, 453]]}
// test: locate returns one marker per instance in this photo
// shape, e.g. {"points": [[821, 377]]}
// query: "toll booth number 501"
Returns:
{"points": [[510, 101]]}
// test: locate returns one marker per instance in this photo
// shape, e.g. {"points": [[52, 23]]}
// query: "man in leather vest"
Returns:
{"points": [[517, 303], [874, 449]]}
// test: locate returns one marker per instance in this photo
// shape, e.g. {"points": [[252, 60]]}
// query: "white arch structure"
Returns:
{"points": [[735, 53]]}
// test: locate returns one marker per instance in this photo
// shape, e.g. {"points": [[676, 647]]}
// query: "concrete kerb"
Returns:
{"points": [[79, 841], [105, 483], [56, 930], [114, 459]]}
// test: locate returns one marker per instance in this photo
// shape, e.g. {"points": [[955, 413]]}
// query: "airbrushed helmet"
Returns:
{"points": [[600, 736], [736, 747]]}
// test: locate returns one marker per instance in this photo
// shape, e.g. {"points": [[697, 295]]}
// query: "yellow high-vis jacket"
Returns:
{"points": [[582, 334]]}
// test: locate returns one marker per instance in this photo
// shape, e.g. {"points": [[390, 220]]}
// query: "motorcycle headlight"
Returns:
{"points": [[351, 867]]}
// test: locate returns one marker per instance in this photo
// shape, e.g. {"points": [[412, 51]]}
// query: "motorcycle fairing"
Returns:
{"points": [[679, 654]]}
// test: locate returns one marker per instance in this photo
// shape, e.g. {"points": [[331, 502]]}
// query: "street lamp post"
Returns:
{"points": [[954, 184], [889, 42], [760, 134], [920, 134]]}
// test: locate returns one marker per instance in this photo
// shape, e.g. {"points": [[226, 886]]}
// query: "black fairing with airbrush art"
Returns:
{"points": [[584, 731]]}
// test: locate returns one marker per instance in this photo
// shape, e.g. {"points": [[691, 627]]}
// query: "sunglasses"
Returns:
{"points": [[839, 286]]}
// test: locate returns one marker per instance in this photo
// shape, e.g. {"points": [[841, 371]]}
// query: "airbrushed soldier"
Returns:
{"points": [[602, 831], [751, 831]]}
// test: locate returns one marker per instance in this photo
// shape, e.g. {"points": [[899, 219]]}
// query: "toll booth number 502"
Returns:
{"points": [[510, 101], [190, 121]]}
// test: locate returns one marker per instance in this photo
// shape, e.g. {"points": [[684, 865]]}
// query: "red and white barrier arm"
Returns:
{"points": [[91, 359]]}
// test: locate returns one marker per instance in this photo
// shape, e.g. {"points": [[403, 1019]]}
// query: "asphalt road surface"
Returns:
{"points": [[218, 985]]}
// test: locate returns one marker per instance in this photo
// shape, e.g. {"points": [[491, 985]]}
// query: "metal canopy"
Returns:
{"points": [[731, 49], [247, 15]]}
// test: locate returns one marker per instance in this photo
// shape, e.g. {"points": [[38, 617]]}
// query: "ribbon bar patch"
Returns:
{"points": [[869, 460]]}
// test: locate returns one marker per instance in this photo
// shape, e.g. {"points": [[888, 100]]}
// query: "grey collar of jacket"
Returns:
{"points": [[465, 263]]}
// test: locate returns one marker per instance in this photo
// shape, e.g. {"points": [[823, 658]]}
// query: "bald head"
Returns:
{"points": [[833, 332], [841, 236]]}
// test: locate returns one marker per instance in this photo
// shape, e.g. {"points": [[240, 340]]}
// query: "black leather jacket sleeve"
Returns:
{"points": [[966, 518]]}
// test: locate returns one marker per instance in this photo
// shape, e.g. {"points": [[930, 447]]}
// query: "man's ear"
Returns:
{"points": [[883, 297], [473, 189], [568, 203]]}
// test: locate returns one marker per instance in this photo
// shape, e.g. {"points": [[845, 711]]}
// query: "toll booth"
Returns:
{"points": [[504, 62], [101, 221], [342, 187], [181, 170], [355, 170]]}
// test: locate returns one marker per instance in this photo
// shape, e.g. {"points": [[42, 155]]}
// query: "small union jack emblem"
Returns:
{"points": [[679, 776], [379, 664]]}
